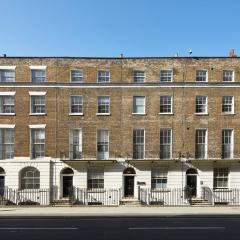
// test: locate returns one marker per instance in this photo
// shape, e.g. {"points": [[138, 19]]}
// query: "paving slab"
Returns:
{"points": [[116, 211]]}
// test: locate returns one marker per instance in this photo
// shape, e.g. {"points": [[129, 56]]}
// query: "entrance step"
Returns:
{"points": [[198, 202], [130, 202], [62, 202]]}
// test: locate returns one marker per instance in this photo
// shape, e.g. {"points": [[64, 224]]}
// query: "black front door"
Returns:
{"points": [[129, 186], [2, 185], [192, 185], [67, 185]]}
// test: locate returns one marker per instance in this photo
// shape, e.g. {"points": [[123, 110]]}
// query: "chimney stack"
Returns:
{"points": [[232, 53]]}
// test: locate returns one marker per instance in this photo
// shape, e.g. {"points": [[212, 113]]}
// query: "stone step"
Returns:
{"points": [[130, 202]]}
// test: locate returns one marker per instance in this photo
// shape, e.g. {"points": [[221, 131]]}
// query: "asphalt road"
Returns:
{"points": [[166, 228]]}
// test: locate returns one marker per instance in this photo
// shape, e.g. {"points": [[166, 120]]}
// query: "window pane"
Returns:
{"points": [[139, 76], [102, 144], [103, 76], [201, 75], [38, 75], [138, 104], [7, 75], [76, 76], [138, 144], [103, 104], [166, 75], [165, 104]]}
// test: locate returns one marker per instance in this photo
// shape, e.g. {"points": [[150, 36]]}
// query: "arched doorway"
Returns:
{"points": [[191, 182], [128, 182], [67, 182], [2, 181]]}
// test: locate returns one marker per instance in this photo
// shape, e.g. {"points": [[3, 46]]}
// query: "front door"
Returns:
{"points": [[67, 186], [192, 185], [129, 186], [2, 185]]}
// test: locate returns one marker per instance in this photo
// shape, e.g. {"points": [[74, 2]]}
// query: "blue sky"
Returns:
{"points": [[110, 27]]}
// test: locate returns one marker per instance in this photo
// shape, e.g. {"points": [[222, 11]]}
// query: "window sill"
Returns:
{"points": [[103, 114], [227, 114], [201, 114], [7, 114], [37, 114], [166, 113], [75, 114], [95, 190], [139, 114]]}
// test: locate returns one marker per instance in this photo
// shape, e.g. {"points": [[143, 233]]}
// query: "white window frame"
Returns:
{"points": [[142, 77], [109, 113], [3, 129], [162, 70], [171, 134], [108, 153], [102, 70], [206, 105], [9, 94], [166, 113], [42, 68], [94, 170], [206, 142], [232, 112], [143, 144], [228, 178], [71, 143], [136, 113], [79, 70], [8, 68], [30, 110], [31, 147], [197, 75], [162, 171], [233, 75], [70, 106], [232, 143]]}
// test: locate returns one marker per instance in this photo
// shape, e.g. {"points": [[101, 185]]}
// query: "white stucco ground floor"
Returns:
{"points": [[109, 182]]}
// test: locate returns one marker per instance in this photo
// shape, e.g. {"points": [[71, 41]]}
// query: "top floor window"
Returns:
{"points": [[38, 75], [103, 76], [7, 75], [201, 76], [228, 76], [166, 76], [76, 76], [139, 76]]}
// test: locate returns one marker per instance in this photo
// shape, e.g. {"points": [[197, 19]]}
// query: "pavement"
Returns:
{"points": [[120, 211]]}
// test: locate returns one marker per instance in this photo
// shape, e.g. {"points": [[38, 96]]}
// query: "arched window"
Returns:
{"points": [[30, 178]]}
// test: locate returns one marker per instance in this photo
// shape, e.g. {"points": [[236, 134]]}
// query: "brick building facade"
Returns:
{"points": [[122, 123]]}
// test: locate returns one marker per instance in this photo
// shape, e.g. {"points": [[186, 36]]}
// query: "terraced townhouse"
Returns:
{"points": [[120, 130]]}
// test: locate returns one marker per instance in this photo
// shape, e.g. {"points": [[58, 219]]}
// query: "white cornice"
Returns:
{"points": [[37, 126], [38, 67], [7, 125], [37, 93], [7, 67], [7, 93]]}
